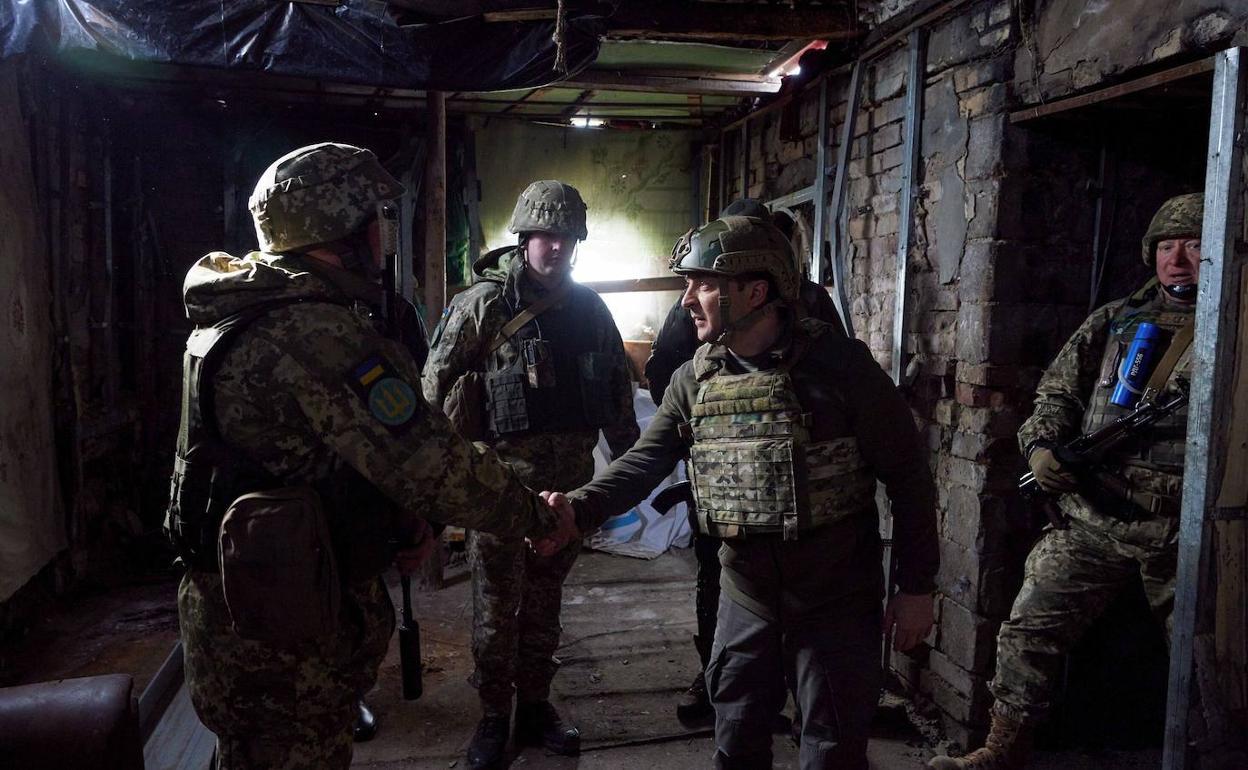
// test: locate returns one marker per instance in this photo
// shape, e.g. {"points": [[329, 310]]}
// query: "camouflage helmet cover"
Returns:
{"points": [[734, 245], [1179, 216], [319, 193], [549, 206]]}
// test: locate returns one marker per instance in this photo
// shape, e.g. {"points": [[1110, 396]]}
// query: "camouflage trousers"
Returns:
{"points": [[516, 597], [1071, 576], [276, 707]]}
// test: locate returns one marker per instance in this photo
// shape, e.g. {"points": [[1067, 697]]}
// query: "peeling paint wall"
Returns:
{"points": [[1072, 45], [32, 529]]}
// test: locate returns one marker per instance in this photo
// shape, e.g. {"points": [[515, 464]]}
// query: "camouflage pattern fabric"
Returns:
{"points": [[1180, 216], [318, 194], [1072, 575], [550, 206], [293, 394], [285, 708], [516, 594], [735, 245]]}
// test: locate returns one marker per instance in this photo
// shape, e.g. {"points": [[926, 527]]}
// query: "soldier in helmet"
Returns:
{"points": [[787, 425], [304, 450], [675, 344], [551, 373], [1073, 574]]}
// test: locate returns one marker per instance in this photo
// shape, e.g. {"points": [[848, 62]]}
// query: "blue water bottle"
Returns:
{"points": [[1137, 367]]}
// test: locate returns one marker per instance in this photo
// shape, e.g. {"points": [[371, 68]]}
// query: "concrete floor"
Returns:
{"points": [[626, 655]]}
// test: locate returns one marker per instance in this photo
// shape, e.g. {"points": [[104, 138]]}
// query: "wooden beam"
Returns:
{"points": [[621, 81], [730, 21], [434, 192], [662, 283], [1198, 67], [577, 103]]}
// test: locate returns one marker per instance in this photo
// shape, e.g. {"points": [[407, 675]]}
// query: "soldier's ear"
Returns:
{"points": [[758, 290]]}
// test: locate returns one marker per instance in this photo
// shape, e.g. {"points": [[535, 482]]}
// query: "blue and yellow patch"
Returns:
{"points": [[389, 398]]}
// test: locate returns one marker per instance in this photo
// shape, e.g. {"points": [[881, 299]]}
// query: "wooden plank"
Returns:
{"points": [[662, 283], [731, 21], [626, 81], [430, 577], [180, 741], [1112, 92]]}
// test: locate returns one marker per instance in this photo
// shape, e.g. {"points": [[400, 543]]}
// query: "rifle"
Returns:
{"points": [[1084, 455], [409, 629]]}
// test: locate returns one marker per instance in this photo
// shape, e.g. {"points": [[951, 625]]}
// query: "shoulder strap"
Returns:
{"points": [[529, 313], [1179, 343]]}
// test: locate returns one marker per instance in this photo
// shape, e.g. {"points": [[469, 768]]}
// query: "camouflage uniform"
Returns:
{"points": [[517, 594], [1073, 574], [805, 605], [286, 399]]}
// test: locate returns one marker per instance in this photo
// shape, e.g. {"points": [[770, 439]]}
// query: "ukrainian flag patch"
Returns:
{"points": [[388, 397]]}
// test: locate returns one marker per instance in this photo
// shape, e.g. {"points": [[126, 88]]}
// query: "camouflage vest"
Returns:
{"points": [[209, 474], [1162, 449], [754, 467]]}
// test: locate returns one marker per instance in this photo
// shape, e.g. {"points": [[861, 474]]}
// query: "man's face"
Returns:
{"points": [[550, 254], [1178, 261], [701, 299]]}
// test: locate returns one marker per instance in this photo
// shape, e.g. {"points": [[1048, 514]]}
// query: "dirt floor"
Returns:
{"points": [[626, 655]]}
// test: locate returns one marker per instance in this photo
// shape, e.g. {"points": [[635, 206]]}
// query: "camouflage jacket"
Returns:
{"points": [[1072, 394], [548, 460], [847, 394], [293, 394]]}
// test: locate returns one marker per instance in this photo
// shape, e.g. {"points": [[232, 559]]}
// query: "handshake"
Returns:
{"points": [[563, 534]]}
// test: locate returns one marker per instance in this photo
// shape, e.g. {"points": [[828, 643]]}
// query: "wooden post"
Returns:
{"points": [[435, 208], [435, 260]]}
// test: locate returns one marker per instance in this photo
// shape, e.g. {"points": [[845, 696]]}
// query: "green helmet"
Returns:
{"points": [[319, 193], [732, 246], [1179, 216], [549, 206]]}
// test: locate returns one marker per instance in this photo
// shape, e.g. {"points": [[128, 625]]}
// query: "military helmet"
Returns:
{"points": [[735, 245], [319, 193], [746, 207], [1179, 216], [549, 206]]}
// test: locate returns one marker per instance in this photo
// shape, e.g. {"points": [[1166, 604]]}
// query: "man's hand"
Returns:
{"points": [[909, 617], [409, 558], [1050, 474], [565, 533]]}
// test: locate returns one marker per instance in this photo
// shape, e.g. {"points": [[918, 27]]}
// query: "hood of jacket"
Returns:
{"points": [[220, 285]]}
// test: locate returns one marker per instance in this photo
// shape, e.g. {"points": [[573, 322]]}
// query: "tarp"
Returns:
{"points": [[357, 41], [641, 531]]}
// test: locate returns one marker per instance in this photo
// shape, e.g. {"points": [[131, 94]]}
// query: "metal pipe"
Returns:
{"points": [[819, 192], [1213, 364], [910, 172], [837, 234]]}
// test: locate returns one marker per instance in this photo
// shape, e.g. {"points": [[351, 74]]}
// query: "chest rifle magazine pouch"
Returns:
{"points": [[509, 410], [278, 568]]}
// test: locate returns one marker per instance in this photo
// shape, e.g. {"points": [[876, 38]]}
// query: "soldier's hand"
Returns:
{"points": [[1050, 474], [910, 618], [565, 532], [409, 558]]}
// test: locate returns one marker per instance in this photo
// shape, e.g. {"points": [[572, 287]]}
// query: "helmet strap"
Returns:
{"points": [[356, 254]]}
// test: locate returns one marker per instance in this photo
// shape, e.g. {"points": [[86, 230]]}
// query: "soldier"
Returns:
{"points": [[676, 344], [304, 450], [554, 372], [801, 554], [1072, 574]]}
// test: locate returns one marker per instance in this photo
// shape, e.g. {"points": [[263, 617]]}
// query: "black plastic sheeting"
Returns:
{"points": [[354, 42]]}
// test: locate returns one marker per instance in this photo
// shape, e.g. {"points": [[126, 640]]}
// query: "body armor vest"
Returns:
{"points": [[209, 474], [1163, 447], [558, 383], [754, 466]]}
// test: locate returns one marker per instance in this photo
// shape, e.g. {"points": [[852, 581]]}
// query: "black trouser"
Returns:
{"points": [[706, 592]]}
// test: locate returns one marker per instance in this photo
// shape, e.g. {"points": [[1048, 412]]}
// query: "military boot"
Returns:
{"points": [[1007, 748], [538, 724], [694, 708], [489, 743], [365, 722]]}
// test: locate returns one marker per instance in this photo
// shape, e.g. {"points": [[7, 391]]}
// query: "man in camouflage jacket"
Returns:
{"points": [[1072, 574], [289, 383], [788, 426], [550, 385]]}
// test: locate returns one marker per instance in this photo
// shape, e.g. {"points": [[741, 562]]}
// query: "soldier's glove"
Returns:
{"points": [[1050, 474]]}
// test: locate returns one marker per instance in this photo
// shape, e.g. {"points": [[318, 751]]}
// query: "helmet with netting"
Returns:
{"points": [[549, 206], [732, 246], [317, 194], [1178, 217]]}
